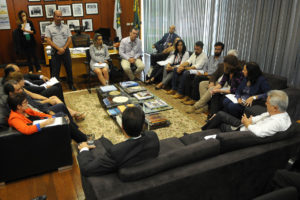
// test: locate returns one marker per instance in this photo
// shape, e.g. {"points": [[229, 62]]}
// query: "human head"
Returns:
{"points": [[57, 15], [219, 46], [22, 15], [97, 39], [134, 34], [172, 29], [252, 71], [231, 64], [133, 119], [9, 68], [17, 76], [277, 101], [176, 39], [12, 87], [180, 47], [17, 102], [233, 52], [198, 47]]}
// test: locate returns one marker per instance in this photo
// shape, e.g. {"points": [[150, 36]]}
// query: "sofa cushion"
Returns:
{"points": [[230, 141], [197, 136], [171, 159], [276, 82], [169, 144]]}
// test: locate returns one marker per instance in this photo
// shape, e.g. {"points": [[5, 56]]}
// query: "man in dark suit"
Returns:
{"points": [[167, 40], [139, 146]]}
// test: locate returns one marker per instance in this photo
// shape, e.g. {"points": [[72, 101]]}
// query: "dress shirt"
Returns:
{"points": [[59, 34], [267, 125], [212, 64], [130, 49], [198, 61]]}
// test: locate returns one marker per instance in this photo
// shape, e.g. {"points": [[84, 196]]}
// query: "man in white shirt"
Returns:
{"points": [[194, 64], [276, 118], [131, 51]]}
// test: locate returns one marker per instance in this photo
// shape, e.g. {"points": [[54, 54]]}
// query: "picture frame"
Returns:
{"points": [[43, 25], [34, 0], [74, 22], [91, 8], [66, 10], [35, 10], [87, 24], [77, 9], [49, 0], [49, 10]]}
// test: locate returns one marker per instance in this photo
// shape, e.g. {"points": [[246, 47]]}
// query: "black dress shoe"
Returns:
{"points": [[44, 197], [72, 87]]}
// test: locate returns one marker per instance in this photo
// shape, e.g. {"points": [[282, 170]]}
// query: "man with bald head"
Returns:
{"points": [[58, 36], [167, 40]]}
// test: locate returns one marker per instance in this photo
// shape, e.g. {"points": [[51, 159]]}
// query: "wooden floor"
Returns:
{"points": [[56, 185]]}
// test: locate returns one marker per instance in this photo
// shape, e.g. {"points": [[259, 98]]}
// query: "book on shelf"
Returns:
{"points": [[108, 88], [156, 103], [143, 95], [127, 84]]}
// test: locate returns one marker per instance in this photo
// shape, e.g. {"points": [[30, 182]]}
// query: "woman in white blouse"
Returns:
{"points": [[180, 56], [99, 59]]}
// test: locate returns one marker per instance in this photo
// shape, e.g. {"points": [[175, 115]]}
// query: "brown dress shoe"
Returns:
{"points": [[190, 109], [178, 96], [190, 102], [186, 98], [171, 92]]}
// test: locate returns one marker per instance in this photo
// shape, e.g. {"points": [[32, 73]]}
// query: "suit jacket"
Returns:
{"points": [[112, 157], [160, 44]]}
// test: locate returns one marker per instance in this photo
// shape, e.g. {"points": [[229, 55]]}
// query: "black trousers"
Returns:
{"points": [[216, 103], [30, 52], [158, 57], [56, 63], [284, 178], [55, 90], [157, 73], [222, 120], [192, 86]]}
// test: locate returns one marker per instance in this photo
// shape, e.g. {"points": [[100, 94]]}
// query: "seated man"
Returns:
{"points": [[167, 40], [131, 51], [138, 147], [196, 63], [267, 124], [33, 83]]}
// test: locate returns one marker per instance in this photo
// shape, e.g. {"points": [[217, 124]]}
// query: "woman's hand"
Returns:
{"points": [[47, 122], [240, 101], [215, 91], [169, 67], [249, 101]]}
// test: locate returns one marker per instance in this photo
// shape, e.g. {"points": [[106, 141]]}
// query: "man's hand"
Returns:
{"points": [[131, 60], [169, 67], [153, 46], [84, 144], [249, 101], [51, 112], [180, 69], [199, 74], [170, 44], [45, 78], [47, 122], [60, 51], [215, 91], [211, 84], [246, 121]]}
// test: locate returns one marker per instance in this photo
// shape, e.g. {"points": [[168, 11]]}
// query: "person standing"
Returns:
{"points": [[27, 40], [131, 51], [58, 36]]}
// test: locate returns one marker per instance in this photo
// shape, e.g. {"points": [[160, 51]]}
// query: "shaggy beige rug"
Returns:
{"points": [[100, 123]]}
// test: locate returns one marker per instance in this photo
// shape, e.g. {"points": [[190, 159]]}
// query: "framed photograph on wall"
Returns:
{"points": [[43, 25], [49, 0], [91, 8], [72, 23], [77, 9], [34, 0], [87, 24], [35, 11], [49, 9], [65, 10]]}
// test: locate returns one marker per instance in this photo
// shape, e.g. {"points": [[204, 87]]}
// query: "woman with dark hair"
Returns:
{"points": [[253, 89], [99, 59], [231, 79], [180, 56], [28, 44]]}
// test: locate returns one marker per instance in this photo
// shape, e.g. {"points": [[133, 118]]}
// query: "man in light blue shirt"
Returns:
{"points": [[131, 51]]}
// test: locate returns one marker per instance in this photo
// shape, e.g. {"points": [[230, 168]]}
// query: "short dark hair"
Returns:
{"points": [[9, 86], [183, 48], [134, 29], [7, 70], [17, 76], [133, 119], [254, 72], [15, 100], [199, 44], [220, 44]]}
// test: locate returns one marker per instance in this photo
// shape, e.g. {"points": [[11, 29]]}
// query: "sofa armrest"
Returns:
{"points": [[24, 155]]}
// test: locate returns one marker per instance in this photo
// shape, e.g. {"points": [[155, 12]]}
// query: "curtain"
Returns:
{"points": [[264, 31]]}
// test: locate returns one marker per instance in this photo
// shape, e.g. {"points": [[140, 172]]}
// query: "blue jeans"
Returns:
{"points": [[178, 80], [234, 109]]}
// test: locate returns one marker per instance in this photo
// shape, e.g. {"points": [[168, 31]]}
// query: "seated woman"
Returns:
{"points": [[99, 59], [232, 77], [157, 70], [21, 118], [180, 56], [252, 90]]}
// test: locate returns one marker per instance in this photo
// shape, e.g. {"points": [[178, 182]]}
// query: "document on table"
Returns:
{"points": [[195, 71], [57, 121], [51, 82], [232, 98], [210, 137], [162, 63], [102, 65]]}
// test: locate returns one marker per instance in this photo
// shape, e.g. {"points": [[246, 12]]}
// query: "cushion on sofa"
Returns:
{"points": [[230, 141], [276, 82], [197, 136], [169, 144], [176, 157]]}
